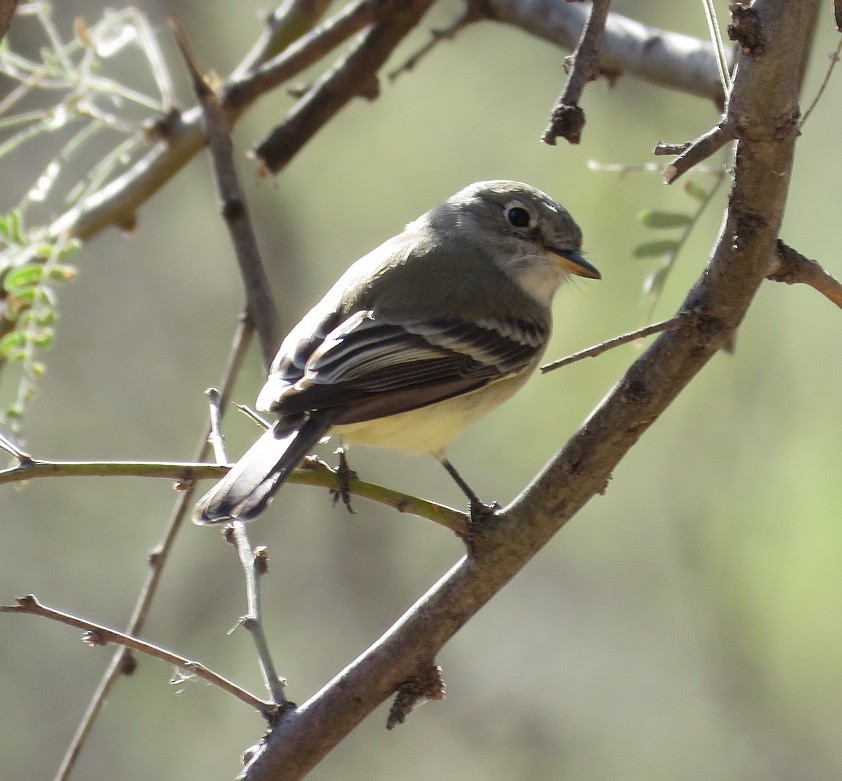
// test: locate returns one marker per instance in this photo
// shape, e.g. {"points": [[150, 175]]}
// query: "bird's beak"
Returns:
{"points": [[574, 263]]}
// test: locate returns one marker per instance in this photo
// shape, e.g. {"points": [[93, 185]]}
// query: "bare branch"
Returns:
{"points": [[97, 634], [13, 450], [183, 138], [692, 154], [313, 472], [567, 118], [791, 267], [260, 304], [7, 12], [157, 561], [254, 566], [668, 59], [354, 76], [474, 12], [660, 57], [764, 88], [617, 341]]}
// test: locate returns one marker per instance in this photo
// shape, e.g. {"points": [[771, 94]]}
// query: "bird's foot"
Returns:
{"points": [[479, 513], [344, 474]]}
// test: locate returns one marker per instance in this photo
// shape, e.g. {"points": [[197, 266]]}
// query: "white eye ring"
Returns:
{"points": [[517, 215]]}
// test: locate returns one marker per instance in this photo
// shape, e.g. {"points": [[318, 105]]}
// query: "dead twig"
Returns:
{"points": [[567, 118], [97, 634]]}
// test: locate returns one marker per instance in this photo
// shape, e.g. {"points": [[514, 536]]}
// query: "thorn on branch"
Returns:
{"points": [[415, 691]]}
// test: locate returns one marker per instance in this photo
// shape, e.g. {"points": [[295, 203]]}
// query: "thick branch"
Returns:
{"points": [[664, 58], [7, 12], [355, 75], [660, 57], [764, 87]]}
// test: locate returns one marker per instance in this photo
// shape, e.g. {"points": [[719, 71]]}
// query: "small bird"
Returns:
{"points": [[416, 341]]}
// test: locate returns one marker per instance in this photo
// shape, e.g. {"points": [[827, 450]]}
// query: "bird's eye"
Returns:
{"points": [[518, 216]]}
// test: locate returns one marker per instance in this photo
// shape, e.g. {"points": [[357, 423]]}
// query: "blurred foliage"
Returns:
{"points": [[62, 103], [685, 625]]}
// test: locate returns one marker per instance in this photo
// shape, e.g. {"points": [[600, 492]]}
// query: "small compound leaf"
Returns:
{"points": [[658, 219], [656, 249]]}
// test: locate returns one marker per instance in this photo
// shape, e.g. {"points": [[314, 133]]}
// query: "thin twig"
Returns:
{"points": [[216, 438], [659, 56], [718, 47], [475, 11], [253, 566], [567, 118], [244, 87], [703, 147], [284, 26], [252, 415], [355, 75], [791, 267], [260, 304], [97, 634], [13, 450], [834, 59], [617, 341], [157, 560], [313, 472]]}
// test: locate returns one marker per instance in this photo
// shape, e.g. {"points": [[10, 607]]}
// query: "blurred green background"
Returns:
{"points": [[685, 625]]}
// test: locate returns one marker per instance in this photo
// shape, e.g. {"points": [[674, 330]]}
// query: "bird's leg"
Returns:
{"points": [[479, 510], [344, 474]]}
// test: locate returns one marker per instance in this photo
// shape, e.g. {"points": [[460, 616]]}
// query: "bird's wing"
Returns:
{"points": [[369, 366]]}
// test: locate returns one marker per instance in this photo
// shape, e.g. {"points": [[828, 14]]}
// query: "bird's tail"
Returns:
{"points": [[251, 483]]}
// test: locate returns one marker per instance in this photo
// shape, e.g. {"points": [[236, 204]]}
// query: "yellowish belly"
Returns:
{"points": [[430, 429]]}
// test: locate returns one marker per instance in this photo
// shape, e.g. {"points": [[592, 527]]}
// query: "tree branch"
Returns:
{"points": [[260, 304], [791, 267], [7, 12], [355, 75], [567, 118], [661, 57], [667, 59], [764, 89], [97, 634], [312, 472]]}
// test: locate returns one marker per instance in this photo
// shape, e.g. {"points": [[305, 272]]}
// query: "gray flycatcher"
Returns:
{"points": [[416, 341]]}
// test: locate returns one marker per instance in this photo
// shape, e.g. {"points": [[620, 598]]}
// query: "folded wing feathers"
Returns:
{"points": [[366, 355]]}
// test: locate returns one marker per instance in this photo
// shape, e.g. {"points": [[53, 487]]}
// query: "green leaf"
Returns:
{"points": [[656, 249], [11, 228], [46, 316], [43, 338], [22, 277], [658, 219], [13, 411], [10, 342], [62, 272], [694, 191]]}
